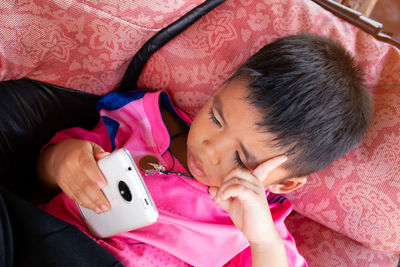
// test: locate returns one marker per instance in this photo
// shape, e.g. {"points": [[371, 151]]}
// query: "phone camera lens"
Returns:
{"points": [[124, 191]]}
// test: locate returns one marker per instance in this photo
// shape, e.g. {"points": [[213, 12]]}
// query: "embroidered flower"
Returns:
{"points": [[259, 21]]}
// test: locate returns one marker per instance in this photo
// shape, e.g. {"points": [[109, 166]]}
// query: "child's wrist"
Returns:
{"points": [[271, 253], [272, 240]]}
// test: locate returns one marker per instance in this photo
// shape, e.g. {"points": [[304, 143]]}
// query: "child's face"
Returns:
{"points": [[224, 135]]}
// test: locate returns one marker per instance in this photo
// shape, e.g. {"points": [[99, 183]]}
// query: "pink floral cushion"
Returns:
{"points": [[80, 44], [321, 246], [357, 195]]}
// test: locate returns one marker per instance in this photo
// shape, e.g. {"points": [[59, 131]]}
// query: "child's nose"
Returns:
{"points": [[211, 152]]}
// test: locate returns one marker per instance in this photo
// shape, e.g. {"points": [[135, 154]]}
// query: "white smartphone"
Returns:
{"points": [[131, 204]]}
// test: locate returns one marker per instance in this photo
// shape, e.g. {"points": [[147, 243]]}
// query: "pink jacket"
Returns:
{"points": [[191, 228]]}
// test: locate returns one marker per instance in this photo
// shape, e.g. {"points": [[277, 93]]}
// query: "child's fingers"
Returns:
{"points": [[90, 196], [237, 175], [98, 151], [84, 201], [244, 191], [79, 198], [91, 181], [101, 155], [262, 171], [237, 192], [234, 181], [90, 168], [213, 191], [225, 204], [96, 198], [83, 189], [240, 174]]}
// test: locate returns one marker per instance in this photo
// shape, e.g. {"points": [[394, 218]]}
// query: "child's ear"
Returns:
{"points": [[287, 185]]}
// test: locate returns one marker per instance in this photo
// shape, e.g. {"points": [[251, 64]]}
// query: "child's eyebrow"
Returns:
{"points": [[250, 158]]}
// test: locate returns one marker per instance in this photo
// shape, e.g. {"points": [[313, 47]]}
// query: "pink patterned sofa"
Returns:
{"points": [[347, 214]]}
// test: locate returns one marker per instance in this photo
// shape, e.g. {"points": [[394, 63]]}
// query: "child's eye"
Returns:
{"points": [[239, 162], [213, 118]]}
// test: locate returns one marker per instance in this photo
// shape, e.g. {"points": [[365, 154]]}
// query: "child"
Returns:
{"points": [[290, 110]]}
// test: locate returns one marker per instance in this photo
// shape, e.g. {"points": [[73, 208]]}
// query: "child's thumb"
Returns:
{"points": [[212, 191], [98, 152]]}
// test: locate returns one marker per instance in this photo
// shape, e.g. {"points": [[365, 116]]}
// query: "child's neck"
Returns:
{"points": [[178, 131]]}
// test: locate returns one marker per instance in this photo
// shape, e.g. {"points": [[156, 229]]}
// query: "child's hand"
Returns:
{"points": [[71, 164], [242, 195]]}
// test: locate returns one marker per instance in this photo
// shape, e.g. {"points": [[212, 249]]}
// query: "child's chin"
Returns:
{"points": [[201, 180]]}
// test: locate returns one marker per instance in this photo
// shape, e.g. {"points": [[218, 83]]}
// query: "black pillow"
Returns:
{"points": [[31, 112]]}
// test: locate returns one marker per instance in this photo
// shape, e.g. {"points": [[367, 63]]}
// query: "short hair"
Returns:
{"points": [[312, 97]]}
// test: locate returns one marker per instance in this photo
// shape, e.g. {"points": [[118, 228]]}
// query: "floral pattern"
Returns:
{"points": [[87, 45], [79, 35], [203, 39], [323, 247]]}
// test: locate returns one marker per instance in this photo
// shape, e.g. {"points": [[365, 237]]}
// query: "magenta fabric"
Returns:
{"points": [[191, 228]]}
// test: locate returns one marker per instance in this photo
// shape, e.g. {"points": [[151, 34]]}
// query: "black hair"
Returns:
{"points": [[312, 97]]}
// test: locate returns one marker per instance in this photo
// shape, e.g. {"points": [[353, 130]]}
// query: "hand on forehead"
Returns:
{"points": [[264, 169]]}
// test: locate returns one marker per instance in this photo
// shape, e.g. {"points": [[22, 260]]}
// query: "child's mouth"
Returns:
{"points": [[195, 167]]}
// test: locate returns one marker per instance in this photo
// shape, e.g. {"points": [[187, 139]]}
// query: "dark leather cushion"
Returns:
{"points": [[31, 113], [32, 237]]}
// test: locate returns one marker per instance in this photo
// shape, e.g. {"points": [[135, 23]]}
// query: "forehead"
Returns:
{"points": [[242, 119]]}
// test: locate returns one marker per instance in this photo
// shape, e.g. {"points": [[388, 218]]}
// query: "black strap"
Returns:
{"points": [[140, 59], [357, 19]]}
